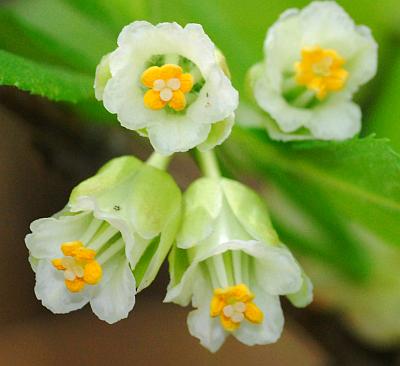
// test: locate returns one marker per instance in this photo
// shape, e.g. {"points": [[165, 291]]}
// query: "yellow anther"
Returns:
{"points": [[321, 70], [92, 273], [58, 263], [233, 305], [75, 285], [168, 85], [79, 266], [69, 248], [83, 254]]}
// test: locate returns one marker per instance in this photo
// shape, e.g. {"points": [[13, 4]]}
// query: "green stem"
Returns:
{"points": [[159, 161], [208, 164]]}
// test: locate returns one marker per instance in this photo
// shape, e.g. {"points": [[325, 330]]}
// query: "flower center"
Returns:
{"points": [[234, 304], [168, 86], [321, 70], [78, 265]]}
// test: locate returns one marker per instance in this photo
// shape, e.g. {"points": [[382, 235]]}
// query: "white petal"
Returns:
{"points": [[337, 121], [122, 95], [181, 294], [49, 233], [287, 117], [365, 60], [114, 296], [103, 74], [270, 329], [177, 135], [220, 131], [130, 31], [217, 99], [304, 296], [282, 47], [323, 21], [201, 324], [51, 290], [277, 271], [277, 134]]}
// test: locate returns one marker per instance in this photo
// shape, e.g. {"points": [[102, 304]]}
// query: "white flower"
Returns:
{"points": [[315, 60], [167, 82], [103, 247], [230, 265]]}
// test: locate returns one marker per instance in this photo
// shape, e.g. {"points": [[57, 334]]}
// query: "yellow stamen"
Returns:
{"points": [[92, 273], [75, 285], [167, 85], [70, 247], [233, 305], [321, 70], [79, 266]]}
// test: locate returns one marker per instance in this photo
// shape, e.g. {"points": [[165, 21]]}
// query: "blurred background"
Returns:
{"points": [[47, 148]]}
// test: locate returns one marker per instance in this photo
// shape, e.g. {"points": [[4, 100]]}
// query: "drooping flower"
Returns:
{"points": [[109, 241], [230, 264], [315, 60], [168, 83]]}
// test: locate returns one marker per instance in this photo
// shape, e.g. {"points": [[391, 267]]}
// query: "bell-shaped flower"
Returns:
{"points": [[168, 83], [109, 242], [315, 60], [229, 263]]}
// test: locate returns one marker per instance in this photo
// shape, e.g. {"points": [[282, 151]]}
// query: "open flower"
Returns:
{"points": [[108, 243], [315, 60], [168, 83], [230, 264]]}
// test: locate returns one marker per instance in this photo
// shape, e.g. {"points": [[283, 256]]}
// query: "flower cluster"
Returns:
{"points": [[171, 84]]}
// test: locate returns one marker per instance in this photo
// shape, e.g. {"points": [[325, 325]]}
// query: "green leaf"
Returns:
{"points": [[58, 27], [356, 181], [385, 115], [53, 82], [113, 14]]}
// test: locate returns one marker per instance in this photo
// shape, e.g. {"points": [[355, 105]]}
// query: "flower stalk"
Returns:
{"points": [[208, 163], [159, 161]]}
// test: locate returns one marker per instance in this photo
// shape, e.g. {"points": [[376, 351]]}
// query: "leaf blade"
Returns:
{"points": [[55, 83]]}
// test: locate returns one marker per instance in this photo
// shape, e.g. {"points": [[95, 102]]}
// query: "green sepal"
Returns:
{"points": [[147, 268], [250, 210], [202, 204], [179, 262], [130, 190]]}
